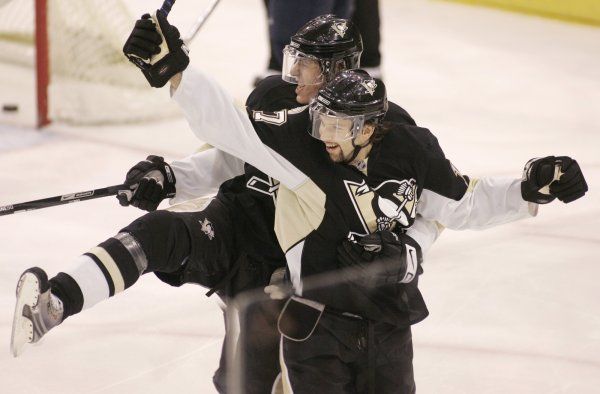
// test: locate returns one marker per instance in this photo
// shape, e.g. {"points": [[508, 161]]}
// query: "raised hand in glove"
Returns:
{"points": [[150, 181], [156, 48], [547, 178], [381, 258]]}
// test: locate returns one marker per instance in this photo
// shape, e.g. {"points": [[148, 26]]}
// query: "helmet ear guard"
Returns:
{"points": [[342, 64]]}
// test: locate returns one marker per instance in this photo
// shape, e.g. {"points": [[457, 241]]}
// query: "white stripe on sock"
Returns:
{"points": [[90, 280], [111, 267]]}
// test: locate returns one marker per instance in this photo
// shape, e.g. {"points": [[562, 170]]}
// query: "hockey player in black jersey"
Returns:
{"points": [[397, 171], [321, 204], [228, 244]]}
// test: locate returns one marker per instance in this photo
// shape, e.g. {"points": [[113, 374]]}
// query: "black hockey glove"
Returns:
{"points": [[150, 181], [545, 179], [381, 258], [157, 50]]}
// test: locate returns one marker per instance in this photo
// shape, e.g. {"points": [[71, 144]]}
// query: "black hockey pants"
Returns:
{"points": [[209, 247], [350, 355]]}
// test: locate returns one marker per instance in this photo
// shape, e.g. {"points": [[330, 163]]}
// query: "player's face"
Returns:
{"points": [[336, 133], [309, 78], [339, 152]]}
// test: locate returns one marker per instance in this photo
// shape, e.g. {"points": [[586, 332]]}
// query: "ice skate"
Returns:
{"points": [[36, 312]]}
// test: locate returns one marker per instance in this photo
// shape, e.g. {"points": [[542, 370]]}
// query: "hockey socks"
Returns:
{"points": [[107, 269]]}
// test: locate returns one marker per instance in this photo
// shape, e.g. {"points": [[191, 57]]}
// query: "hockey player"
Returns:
{"points": [[320, 204], [232, 250], [323, 53], [406, 174]]}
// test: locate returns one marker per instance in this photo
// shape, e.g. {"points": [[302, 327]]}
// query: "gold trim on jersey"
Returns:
{"points": [[362, 197], [298, 213]]}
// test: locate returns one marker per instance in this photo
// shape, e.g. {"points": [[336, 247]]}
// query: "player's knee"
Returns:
{"points": [[155, 224], [163, 236]]}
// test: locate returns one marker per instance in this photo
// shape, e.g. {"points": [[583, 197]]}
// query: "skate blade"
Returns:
{"points": [[28, 292]]}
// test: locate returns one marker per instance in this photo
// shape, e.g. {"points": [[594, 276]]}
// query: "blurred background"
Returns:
{"points": [[512, 309]]}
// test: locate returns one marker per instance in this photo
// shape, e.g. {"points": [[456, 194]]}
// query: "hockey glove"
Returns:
{"points": [[150, 181], [545, 179], [156, 48], [381, 258]]}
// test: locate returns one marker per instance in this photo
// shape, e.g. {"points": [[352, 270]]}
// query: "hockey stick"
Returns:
{"points": [[166, 6], [61, 200], [166, 9], [200, 22]]}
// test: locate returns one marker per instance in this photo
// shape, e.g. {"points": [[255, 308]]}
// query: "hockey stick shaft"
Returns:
{"points": [[164, 9], [166, 6], [200, 22], [61, 200]]}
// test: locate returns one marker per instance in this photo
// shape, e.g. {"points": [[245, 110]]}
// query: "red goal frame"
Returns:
{"points": [[42, 62]]}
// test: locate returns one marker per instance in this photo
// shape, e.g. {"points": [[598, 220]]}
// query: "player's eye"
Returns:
{"points": [[304, 62]]}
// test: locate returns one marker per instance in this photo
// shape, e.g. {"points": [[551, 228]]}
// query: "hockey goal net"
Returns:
{"points": [[74, 50]]}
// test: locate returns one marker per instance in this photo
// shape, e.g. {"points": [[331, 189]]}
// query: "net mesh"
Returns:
{"points": [[91, 82]]}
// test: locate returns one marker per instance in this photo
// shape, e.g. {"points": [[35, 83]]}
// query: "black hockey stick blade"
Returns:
{"points": [[61, 200]]}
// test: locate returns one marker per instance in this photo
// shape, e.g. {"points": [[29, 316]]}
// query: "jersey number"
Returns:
{"points": [[277, 118]]}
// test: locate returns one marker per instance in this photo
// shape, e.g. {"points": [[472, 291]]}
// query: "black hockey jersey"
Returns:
{"points": [[255, 191], [355, 203], [320, 203]]}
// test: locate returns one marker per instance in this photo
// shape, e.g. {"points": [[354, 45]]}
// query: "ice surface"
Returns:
{"points": [[513, 309]]}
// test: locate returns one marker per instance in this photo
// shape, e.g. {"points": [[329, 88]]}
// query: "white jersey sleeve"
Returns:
{"points": [[201, 174], [215, 119], [487, 202], [424, 232]]}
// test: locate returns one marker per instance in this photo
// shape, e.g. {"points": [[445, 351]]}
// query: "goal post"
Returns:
{"points": [[73, 49], [41, 62]]}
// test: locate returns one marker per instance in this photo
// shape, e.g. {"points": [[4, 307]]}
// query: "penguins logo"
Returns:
{"points": [[389, 203], [208, 229], [370, 86], [340, 28]]}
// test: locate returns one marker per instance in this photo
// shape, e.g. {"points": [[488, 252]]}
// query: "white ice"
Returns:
{"points": [[513, 309]]}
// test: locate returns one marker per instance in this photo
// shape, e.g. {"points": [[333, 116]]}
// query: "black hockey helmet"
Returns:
{"points": [[335, 43], [355, 92], [345, 104]]}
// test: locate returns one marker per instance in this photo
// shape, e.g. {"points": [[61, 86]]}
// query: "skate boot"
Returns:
{"points": [[36, 312]]}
